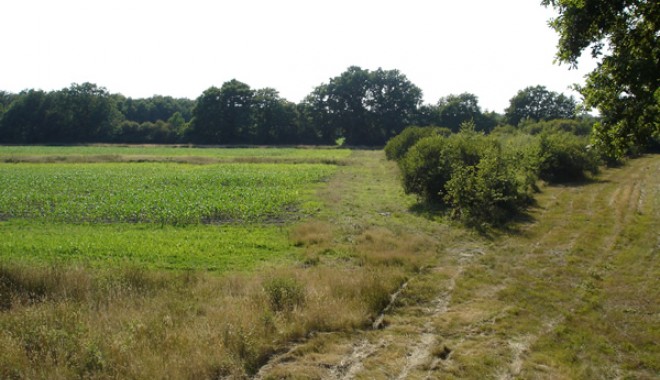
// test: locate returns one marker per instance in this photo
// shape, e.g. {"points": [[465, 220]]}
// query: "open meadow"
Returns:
{"points": [[204, 263]]}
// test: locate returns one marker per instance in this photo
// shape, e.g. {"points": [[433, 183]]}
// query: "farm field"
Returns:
{"points": [[319, 266], [168, 215], [176, 153]]}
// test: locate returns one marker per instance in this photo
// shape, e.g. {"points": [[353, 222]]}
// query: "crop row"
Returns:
{"points": [[156, 192], [172, 151]]}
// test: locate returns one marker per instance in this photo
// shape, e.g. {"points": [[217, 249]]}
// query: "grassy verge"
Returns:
{"points": [[570, 293], [196, 247]]}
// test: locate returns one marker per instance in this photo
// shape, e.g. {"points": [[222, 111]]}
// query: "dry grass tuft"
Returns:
{"points": [[380, 246], [311, 233]]}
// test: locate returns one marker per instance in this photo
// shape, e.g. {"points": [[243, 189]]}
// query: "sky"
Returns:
{"points": [[180, 48]]}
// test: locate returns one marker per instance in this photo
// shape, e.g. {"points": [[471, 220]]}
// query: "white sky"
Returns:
{"points": [[182, 47]]}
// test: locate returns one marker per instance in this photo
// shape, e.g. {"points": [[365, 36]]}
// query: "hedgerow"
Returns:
{"points": [[489, 179]]}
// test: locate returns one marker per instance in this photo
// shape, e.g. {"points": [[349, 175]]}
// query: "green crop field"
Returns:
{"points": [[165, 153], [215, 216], [156, 192]]}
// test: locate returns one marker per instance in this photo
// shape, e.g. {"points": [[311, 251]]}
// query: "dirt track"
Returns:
{"points": [[543, 301]]}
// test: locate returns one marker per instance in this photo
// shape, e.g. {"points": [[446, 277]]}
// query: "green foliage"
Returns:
{"points": [[537, 103], [454, 110], [222, 115], [486, 192], [489, 179], [155, 192], [366, 107], [155, 108], [427, 167], [578, 127], [274, 118], [624, 86], [563, 157], [467, 172], [399, 145]]}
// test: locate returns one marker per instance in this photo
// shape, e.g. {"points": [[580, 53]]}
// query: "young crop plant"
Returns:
{"points": [[173, 194]]}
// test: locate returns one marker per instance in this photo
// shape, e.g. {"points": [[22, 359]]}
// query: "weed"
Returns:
{"points": [[284, 293]]}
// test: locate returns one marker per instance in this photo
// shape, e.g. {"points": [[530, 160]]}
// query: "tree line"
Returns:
{"points": [[362, 107]]}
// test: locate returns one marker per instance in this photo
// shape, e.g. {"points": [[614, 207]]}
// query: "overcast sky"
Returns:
{"points": [[182, 47]]}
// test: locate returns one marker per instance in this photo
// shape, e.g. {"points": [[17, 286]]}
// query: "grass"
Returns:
{"points": [[195, 247], [159, 153], [569, 293], [98, 297], [572, 292]]}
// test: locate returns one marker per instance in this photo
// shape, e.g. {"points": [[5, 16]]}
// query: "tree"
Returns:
{"points": [[393, 101], [538, 103], [274, 118], [154, 108], [207, 115], [454, 110], [5, 100], [367, 108], [223, 115], [625, 87], [315, 125], [84, 113], [26, 119], [79, 113]]}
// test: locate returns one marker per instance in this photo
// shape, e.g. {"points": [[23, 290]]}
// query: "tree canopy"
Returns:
{"points": [[625, 35], [366, 107], [538, 103], [454, 110]]}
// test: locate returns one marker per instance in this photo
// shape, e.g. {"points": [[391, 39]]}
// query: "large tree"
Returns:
{"points": [[366, 107], [538, 103], [274, 118], [454, 110], [625, 36], [27, 118], [224, 115], [85, 113]]}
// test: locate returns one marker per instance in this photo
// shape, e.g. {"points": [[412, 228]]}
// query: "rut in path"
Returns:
{"points": [[384, 338], [480, 310]]}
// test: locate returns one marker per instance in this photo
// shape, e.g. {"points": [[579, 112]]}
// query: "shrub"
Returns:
{"points": [[427, 167], [575, 127], [486, 192], [399, 145], [468, 172], [563, 157]]}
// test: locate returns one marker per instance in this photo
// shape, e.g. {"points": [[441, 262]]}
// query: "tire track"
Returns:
{"points": [[612, 204]]}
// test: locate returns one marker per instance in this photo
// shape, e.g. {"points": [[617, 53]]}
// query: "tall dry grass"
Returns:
{"points": [[69, 321]]}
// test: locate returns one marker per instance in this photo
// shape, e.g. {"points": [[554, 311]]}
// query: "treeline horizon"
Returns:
{"points": [[361, 107]]}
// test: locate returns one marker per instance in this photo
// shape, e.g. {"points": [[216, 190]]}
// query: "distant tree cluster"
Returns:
{"points": [[86, 113], [362, 107]]}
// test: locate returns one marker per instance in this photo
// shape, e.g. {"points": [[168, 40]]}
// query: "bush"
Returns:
{"points": [[467, 172], [427, 167], [572, 126], [563, 157], [399, 145], [486, 192], [488, 179]]}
